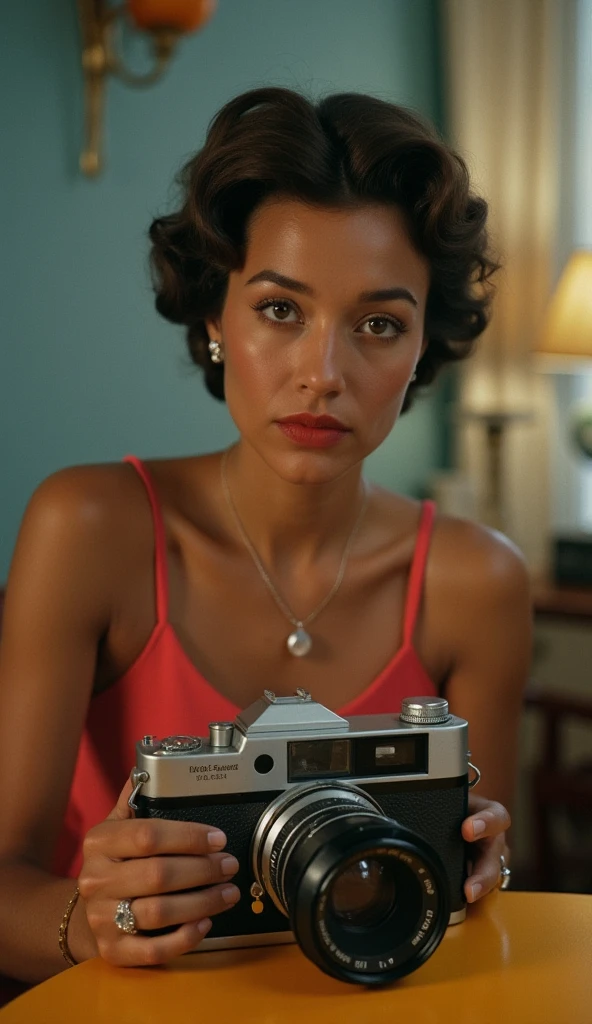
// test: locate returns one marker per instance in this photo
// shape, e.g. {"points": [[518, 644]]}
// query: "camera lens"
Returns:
{"points": [[367, 899], [363, 895]]}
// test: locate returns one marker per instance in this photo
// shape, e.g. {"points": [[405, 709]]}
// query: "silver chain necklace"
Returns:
{"points": [[299, 641]]}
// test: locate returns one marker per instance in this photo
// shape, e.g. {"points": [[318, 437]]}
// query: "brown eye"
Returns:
{"points": [[389, 328], [280, 311], [378, 320]]}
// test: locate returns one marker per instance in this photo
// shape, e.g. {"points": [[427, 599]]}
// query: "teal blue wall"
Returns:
{"points": [[88, 371]]}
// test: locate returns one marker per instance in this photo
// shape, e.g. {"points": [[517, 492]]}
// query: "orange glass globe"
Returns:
{"points": [[181, 15]]}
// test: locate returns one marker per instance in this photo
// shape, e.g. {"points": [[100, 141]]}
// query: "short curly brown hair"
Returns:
{"points": [[341, 152]]}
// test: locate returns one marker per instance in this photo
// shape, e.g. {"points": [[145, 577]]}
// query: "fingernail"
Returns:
{"points": [[231, 894], [216, 839], [229, 865], [204, 926], [476, 890], [478, 827]]}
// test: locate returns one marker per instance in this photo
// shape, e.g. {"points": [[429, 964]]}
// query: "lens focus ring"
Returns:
{"points": [[284, 822], [304, 823]]}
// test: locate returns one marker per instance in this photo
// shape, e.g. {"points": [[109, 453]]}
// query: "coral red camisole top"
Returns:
{"points": [[163, 693]]}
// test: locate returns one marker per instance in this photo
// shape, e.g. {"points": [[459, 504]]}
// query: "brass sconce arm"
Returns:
{"points": [[100, 57]]}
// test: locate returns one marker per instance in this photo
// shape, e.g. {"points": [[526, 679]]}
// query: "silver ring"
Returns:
{"points": [[505, 874], [124, 918]]}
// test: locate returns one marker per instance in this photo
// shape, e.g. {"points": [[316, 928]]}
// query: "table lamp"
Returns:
{"points": [[567, 330], [566, 339], [565, 346]]}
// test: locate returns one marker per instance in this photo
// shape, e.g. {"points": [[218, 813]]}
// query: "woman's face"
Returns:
{"points": [[312, 342]]}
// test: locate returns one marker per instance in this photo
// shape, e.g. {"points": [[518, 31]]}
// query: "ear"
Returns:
{"points": [[213, 327]]}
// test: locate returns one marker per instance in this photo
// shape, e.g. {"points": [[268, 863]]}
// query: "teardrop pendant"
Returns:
{"points": [[299, 642]]}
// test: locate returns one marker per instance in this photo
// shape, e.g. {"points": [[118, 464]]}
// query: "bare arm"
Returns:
{"points": [[57, 606], [487, 618], [63, 587]]}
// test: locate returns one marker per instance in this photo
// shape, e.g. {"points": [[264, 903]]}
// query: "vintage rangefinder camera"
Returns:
{"points": [[347, 830]]}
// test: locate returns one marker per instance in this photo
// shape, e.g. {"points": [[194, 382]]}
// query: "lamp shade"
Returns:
{"points": [[180, 15], [567, 329]]}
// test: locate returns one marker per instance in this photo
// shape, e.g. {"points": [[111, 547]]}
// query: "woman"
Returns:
{"points": [[326, 260]]}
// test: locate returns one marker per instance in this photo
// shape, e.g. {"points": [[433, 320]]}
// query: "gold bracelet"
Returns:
{"points": [[63, 932]]}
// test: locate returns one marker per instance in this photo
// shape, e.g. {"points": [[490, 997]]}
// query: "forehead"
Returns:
{"points": [[362, 248]]}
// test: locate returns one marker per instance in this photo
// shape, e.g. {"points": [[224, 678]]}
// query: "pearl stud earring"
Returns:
{"points": [[216, 353]]}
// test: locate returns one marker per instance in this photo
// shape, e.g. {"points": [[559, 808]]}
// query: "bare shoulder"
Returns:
{"points": [[88, 491], [478, 602], [467, 556], [84, 503], [87, 515]]}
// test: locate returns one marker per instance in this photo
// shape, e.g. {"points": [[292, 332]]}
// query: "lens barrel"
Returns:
{"points": [[368, 900]]}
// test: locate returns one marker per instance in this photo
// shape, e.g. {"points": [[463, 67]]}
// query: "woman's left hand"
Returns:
{"points": [[486, 829]]}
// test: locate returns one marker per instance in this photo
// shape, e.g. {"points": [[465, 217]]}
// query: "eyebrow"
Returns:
{"points": [[380, 295]]}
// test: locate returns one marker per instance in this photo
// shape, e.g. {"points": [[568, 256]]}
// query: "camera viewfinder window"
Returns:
{"points": [[319, 759], [390, 755]]}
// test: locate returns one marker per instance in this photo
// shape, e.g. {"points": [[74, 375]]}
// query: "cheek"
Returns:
{"points": [[384, 393], [252, 378], [249, 369]]}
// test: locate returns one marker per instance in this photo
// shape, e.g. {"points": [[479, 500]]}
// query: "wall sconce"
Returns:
{"points": [[164, 20]]}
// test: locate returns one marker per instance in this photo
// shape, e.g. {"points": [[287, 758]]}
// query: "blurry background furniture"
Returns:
{"points": [[552, 814], [568, 604], [561, 798]]}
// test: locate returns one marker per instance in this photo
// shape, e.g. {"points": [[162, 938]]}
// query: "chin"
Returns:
{"points": [[312, 467]]}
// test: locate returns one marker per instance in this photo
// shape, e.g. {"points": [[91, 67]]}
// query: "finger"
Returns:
{"points": [[153, 912], [478, 803], [154, 837], [154, 875], [122, 810], [139, 951], [490, 821], [485, 875]]}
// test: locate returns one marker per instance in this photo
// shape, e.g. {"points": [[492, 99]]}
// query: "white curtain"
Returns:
{"points": [[507, 93]]}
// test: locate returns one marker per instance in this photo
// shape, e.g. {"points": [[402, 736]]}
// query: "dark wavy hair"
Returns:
{"points": [[341, 152]]}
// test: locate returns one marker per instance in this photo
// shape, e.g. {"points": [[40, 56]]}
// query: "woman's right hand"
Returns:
{"points": [[148, 860]]}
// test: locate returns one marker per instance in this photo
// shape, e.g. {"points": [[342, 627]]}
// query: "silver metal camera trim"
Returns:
{"points": [[231, 769], [244, 941], [278, 813]]}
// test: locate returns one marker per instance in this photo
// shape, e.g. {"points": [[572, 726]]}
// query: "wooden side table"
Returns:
{"points": [[553, 601]]}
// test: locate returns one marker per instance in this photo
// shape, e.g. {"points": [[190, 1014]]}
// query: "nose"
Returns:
{"points": [[320, 365]]}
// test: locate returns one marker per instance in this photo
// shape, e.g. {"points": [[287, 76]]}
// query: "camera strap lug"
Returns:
{"points": [[474, 781], [138, 780]]}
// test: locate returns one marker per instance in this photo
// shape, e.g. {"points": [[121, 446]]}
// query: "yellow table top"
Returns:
{"points": [[519, 957]]}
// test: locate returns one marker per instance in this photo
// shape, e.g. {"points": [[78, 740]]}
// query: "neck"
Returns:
{"points": [[292, 525]]}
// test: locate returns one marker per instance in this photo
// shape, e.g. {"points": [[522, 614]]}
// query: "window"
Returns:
{"points": [[583, 204], [572, 483]]}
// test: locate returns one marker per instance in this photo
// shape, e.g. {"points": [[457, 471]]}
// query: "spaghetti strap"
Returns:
{"points": [[417, 572], [160, 559]]}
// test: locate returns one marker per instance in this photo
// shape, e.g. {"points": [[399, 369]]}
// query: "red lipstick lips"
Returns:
{"points": [[313, 431]]}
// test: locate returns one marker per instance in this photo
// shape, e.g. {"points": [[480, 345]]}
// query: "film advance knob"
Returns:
{"points": [[180, 744], [221, 734], [424, 710]]}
